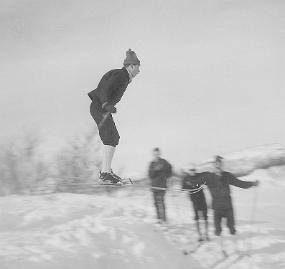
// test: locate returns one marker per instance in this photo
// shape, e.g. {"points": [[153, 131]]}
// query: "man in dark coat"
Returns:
{"points": [[218, 184], [104, 98], [191, 182], [159, 171]]}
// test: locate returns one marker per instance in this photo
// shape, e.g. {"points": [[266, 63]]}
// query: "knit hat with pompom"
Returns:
{"points": [[131, 58]]}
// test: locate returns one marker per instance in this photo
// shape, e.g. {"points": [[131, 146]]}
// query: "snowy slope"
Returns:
{"points": [[118, 231], [81, 231]]}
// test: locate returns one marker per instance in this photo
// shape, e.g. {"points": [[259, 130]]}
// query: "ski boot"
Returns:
{"points": [[108, 179]]}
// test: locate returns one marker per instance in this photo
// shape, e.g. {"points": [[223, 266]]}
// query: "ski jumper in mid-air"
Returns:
{"points": [[104, 98]]}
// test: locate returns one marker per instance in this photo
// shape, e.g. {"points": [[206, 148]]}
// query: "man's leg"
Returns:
{"points": [[207, 230], [108, 154], [110, 137], [197, 223], [159, 204], [162, 206], [218, 230], [205, 216], [231, 226], [200, 239], [156, 204]]}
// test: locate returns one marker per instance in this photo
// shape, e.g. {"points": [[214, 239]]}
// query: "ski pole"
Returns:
{"points": [[252, 219], [105, 117]]}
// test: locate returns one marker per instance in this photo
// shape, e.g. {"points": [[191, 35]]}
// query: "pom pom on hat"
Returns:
{"points": [[131, 58], [218, 158]]}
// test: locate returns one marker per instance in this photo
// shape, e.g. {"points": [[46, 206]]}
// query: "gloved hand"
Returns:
{"points": [[109, 108]]}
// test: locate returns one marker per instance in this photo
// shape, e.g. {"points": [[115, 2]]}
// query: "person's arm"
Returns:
{"points": [[152, 172], [241, 183], [119, 92], [168, 169]]}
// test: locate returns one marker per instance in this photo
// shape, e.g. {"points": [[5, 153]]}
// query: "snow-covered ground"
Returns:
{"points": [[83, 231], [117, 230]]}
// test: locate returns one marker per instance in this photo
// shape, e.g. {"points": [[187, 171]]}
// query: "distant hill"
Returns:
{"points": [[244, 162]]}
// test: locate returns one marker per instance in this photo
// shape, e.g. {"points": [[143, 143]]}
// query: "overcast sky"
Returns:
{"points": [[211, 82]]}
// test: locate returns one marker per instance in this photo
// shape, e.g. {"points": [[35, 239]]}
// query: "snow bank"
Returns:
{"points": [[242, 163], [81, 231], [118, 231]]}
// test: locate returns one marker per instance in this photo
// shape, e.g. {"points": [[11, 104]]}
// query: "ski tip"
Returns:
{"points": [[118, 184], [127, 181], [110, 183]]}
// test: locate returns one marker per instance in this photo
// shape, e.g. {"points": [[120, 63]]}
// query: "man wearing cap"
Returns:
{"points": [[191, 182], [218, 183], [159, 171], [104, 99]]}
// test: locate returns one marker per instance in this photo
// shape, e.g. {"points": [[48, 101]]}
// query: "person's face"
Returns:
{"points": [[134, 69], [218, 165], [156, 154], [192, 172]]}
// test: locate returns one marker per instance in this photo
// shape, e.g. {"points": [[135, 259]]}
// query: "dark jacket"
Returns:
{"points": [[159, 171], [219, 187], [192, 183], [111, 87]]}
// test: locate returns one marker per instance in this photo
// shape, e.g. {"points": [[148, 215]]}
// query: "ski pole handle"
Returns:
{"points": [[105, 117]]}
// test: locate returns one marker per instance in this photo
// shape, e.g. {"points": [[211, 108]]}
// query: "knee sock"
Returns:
{"points": [[108, 153]]}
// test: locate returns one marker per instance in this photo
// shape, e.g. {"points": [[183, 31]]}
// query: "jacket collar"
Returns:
{"points": [[128, 75]]}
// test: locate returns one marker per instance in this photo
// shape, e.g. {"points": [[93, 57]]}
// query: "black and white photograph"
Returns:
{"points": [[142, 134]]}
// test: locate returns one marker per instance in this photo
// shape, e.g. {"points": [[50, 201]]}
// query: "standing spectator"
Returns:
{"points": [[159, 171], [218, 184], [191, 182]]}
